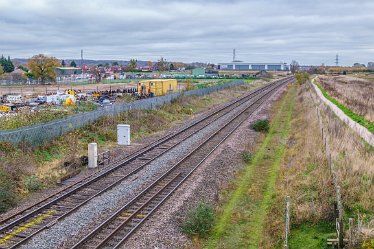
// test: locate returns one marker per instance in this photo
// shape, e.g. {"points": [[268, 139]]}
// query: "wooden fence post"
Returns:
{"points": [[340, 218], [287, 221]]}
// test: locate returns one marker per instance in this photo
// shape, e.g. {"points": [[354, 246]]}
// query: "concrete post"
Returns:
{"points": [[92, 155]]}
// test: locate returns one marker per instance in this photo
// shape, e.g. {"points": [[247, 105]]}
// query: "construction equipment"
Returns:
{"points": [[70, 92], [8, 108], [69, 101]]}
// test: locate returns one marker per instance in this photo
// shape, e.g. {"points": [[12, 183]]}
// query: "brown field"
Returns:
{"points": [[357, 94]]}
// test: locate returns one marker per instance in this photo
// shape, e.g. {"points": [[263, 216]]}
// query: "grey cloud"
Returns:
{"points": [[274, 30]]}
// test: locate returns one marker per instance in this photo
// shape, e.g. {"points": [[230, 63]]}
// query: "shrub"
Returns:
{"points": [[301, 77], [199, 221], [32, 183], [247, 156], [261, 125], [8, 195]]}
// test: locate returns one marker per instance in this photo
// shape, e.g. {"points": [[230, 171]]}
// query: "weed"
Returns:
{"points": [[32, 183], [261, 125], [368, 244], [6, 147], [247, 157], [84, 107], [45, 154], [199, 221], [8, 195]]}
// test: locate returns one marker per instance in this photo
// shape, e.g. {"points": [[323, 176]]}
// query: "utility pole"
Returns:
{"points": [[82, 63], [337, 60], [233, 55]]}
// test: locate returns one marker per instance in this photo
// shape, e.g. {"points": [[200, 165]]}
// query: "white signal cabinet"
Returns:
{"points": [[123, 134]]}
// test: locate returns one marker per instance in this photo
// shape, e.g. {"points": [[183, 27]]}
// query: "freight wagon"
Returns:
{"points": [[159, 87]]}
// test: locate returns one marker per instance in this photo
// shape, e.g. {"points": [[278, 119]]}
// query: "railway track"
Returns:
{"points": [[120, 226], [20, 227]]}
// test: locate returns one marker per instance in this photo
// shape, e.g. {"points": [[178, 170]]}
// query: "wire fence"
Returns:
{"points": [[41, 133], [338, 199]]}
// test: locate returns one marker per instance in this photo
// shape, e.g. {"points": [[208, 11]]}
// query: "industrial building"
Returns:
{"points": [[243, 66]]}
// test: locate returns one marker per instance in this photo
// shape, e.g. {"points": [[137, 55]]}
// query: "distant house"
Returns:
{"points": [[371, 65], [198, 71], [67, 71]]}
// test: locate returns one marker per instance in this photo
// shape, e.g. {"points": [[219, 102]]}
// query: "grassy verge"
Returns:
{"points": [[311, 236], [305, 177], [241, 222], [354, 116]]}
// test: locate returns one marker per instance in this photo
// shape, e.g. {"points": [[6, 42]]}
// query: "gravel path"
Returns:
{"points": [[60, 235], [204, 184]]}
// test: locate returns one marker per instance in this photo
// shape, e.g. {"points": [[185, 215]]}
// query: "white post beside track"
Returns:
{"points": [[92, 155]]}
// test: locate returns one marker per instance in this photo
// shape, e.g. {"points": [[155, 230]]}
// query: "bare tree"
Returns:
{"points": [[162, 65], [294, 66], [96, 72]]}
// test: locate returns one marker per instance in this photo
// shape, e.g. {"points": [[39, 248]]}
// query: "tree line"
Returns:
{"points": [[6, 65], [42, 67]]}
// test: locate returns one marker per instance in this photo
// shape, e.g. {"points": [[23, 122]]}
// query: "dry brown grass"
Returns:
{"points": [[357, 94], [304, 176], [354, 160]]}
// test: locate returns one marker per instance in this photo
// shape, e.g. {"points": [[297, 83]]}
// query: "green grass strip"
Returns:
{"points": [[354, 116], [259, 215], [238, 193]]}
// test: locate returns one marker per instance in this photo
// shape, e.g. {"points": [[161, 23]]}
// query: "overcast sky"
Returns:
{"points": [[311, 32]]}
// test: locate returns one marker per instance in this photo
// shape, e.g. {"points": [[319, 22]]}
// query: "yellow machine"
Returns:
{"points": [[70, 92], [69, 102], [157, 87], [8, 108]]}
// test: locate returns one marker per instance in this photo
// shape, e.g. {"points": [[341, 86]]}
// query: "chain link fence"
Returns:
{"points": [[41, 133]]}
